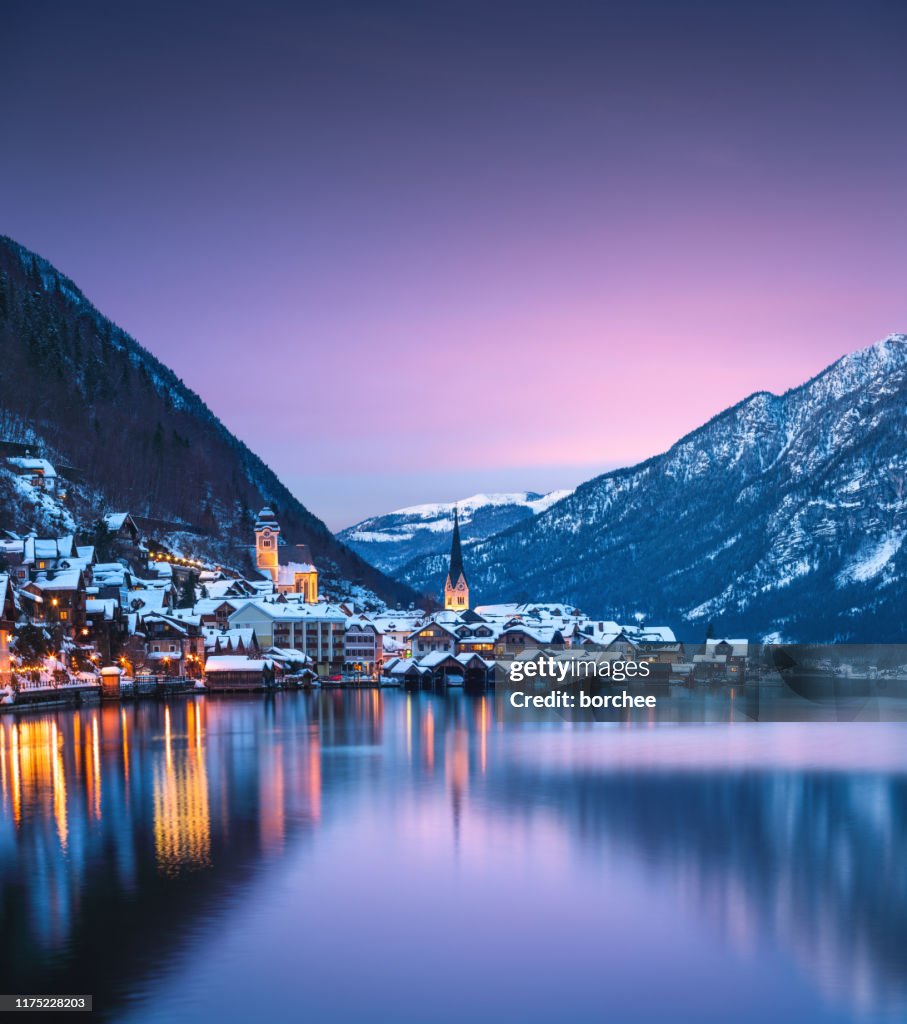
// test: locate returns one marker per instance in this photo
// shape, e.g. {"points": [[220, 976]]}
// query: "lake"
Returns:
{"points": [[377, 855]]}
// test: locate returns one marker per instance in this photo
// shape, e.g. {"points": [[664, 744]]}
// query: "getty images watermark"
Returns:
{"points": [[697, 683], [548, 673]]}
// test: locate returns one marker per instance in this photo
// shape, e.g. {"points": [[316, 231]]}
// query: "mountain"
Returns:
{"points": [[784, 516], [132, 436], [421, 533]]}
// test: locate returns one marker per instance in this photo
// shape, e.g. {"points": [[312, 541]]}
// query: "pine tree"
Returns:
{"points": [[187, 597]]}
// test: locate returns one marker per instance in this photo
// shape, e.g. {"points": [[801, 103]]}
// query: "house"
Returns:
{"points": [[294, 663], [396, 628], [12, 553], [231, 641], [659, 653], [122, 527], [41, 554], [234, 672], [317, 629], [104, 624], [7, 621], [63, 599], [173, 647], [477, 638], [363, 648], [216, 612], [735, 654], [709, 668], [38, 472], [433, 637], [522, 637]]}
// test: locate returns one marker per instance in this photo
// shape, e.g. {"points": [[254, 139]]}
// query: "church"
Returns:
{"points": [[456, 589], [289, 566]]}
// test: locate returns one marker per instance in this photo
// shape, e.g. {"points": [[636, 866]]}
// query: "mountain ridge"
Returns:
{"points": [[768, 480], [390, 541], [74, 384]]}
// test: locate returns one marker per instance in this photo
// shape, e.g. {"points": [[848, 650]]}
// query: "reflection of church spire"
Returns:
{"points": [[456, 589]]}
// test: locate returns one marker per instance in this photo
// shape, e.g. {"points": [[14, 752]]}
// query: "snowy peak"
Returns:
{"points": [[391, 541], [468, 507], [784, 515]]}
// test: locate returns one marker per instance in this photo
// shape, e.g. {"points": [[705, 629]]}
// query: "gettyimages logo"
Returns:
{"points": [[706, 683]]}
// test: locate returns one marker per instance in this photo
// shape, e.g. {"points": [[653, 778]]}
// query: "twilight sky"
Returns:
{"points": [[410, 251]]}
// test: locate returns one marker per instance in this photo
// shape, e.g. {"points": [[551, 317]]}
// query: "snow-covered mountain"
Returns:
{"points": [[77, 389], [783, 515], [390, 541]]}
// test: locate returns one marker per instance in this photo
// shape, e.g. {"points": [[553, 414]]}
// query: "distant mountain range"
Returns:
{"points": [[78, 389], [421, 533], [784, 516]]}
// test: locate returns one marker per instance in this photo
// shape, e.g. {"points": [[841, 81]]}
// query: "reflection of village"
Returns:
{"points": [[113, 808], [126, 820], [806, 861]]}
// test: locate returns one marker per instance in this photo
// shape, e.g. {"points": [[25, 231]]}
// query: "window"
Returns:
{"points": [[64, 615], [266, 542]]}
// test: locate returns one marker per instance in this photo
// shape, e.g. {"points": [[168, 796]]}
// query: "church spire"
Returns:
{"points": [[456, 553], [456, 589]]}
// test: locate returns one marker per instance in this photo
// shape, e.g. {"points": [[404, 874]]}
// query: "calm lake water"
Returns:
{"points": [[377, 856]]}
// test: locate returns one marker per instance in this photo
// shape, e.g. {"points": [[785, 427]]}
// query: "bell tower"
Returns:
{"points": [[267, 536], [456, 589]]}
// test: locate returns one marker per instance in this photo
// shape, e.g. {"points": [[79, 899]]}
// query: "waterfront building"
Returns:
{"points": [[7, 621], [317, 630], [363, 648]]}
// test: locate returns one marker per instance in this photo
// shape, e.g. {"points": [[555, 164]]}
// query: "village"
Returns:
{"points": [[124, 616]]}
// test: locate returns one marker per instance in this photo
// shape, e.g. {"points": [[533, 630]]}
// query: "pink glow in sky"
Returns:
{"points": [[415, 254]]}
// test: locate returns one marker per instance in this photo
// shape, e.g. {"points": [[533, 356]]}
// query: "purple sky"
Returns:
{"points": [[412, 251]]}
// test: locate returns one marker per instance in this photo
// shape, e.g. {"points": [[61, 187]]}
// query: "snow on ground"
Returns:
{"points": [[870, 563], [45, 503]]}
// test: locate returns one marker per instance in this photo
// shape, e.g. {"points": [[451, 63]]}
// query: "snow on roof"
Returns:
{"points": [[290, 611], [33, 466], [652, 634], [209, 605], [234, 663], [433, 659], [106, 605], [435, 625], [466, 658], [68, 580], [220, 588], [47, 548], [146, 601], [287, 654], [114, 521]]}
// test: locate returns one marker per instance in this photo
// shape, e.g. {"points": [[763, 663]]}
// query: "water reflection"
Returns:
{"points": [[127, 829]]}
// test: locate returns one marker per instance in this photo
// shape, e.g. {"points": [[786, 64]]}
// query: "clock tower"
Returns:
{"points": [[267, 535]]}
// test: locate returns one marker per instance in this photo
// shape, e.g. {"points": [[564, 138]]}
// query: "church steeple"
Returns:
{"points": [[456, 589]]}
